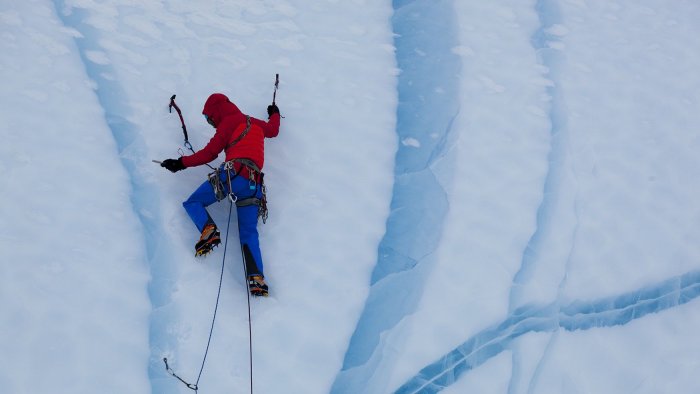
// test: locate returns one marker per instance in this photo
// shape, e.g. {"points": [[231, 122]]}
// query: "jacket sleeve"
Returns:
{"points": [[270, 128], [205, 155]]}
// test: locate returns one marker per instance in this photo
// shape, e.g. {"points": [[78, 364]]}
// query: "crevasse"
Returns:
{"points": [[428, 104], [578, 315], [144, 201]]}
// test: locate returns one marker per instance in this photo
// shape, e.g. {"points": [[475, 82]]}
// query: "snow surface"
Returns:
{"points": [[464, 196]]}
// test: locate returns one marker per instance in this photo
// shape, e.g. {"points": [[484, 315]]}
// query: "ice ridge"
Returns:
{"points": [[555, 202], [549, 57], [144, 201], [428, 104], [577, 315]]}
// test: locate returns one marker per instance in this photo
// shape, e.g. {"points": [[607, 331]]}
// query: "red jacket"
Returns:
{"points": [[230, 123]]}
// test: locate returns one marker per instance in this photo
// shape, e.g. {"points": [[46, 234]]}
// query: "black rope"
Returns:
{"points": [[195, 386], [233, 198], [250, 328], [171, 372], [218, 293]]}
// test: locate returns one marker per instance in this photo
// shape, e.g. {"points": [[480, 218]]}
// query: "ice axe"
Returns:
{"points": [[277, 82], [184, 128]]}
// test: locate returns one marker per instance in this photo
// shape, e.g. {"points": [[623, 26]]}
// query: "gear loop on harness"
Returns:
{"points": [[228, 166], [255, 178], [256, 182]]}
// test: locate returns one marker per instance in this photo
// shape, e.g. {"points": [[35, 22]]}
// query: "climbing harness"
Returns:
{"points": [[215, 177], [255, 179], [240, 136]]}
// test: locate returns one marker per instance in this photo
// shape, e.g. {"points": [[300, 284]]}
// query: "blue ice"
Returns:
{"points": [[426, 32], [428, 104], [578, 315], [144, 199]]}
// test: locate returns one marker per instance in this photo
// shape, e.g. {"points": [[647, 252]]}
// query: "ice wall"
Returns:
{"points": [[144, 200], [553, 308], [578, 315], [428, 104]]}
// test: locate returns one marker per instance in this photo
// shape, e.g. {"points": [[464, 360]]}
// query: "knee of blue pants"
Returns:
{"points": [[204, 196], [196, 205]]}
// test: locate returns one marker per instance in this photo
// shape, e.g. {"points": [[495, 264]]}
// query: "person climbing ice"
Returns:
{"points": [[241, 137]]}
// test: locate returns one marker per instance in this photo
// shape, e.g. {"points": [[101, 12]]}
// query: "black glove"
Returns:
{"points": [[272, 109], [173, 165]]}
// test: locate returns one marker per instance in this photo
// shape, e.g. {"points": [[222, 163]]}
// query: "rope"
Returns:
{"points": [[218, 293], [250, 328], [228, 166], [195, 386]]}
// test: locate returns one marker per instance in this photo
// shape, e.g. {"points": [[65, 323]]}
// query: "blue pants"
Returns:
{"points": [[242, 188]]}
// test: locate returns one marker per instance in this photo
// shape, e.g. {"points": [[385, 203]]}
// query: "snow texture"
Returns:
{"points": [[464, 196]]}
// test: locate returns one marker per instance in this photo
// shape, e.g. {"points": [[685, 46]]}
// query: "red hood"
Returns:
{"points": [[218, 106]]}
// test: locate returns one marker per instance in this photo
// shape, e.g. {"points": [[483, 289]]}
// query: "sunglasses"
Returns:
{"points": [[211, 122]]}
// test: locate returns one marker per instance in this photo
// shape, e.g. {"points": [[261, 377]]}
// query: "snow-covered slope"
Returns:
{"points": [[72, 274], [575, 135], [78, 166], [464, 196]]}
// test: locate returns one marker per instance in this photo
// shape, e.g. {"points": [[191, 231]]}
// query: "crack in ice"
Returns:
{"points": [[131, 147], [428, 105], [549, 15], [578, 315]]}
